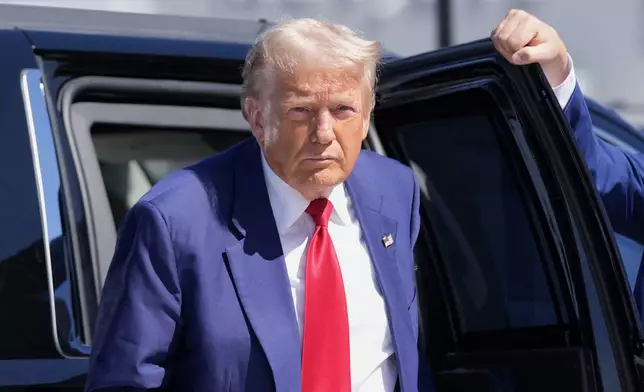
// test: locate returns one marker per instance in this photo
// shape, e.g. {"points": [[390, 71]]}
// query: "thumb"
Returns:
{"points": [[530, 54]]}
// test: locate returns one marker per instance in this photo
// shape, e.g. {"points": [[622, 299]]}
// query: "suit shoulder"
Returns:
{"points": [[388, 169], [201, 187], [385, 162]]}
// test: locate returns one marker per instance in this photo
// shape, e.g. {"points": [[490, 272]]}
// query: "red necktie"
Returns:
{"points": [[326, 363]]}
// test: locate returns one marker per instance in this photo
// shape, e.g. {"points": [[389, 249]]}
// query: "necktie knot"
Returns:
{"points": [[320, 210]]}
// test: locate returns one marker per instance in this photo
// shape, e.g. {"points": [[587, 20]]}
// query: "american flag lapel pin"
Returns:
{"points": [[387, 240]]}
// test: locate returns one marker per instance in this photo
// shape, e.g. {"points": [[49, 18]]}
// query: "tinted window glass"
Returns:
{"points": [[482, 224], [487, 225]]}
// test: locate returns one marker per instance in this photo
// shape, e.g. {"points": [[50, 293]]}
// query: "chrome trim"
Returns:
{"points": [[24, 86], [51, 220]]}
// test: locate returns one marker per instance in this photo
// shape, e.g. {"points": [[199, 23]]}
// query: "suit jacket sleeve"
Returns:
{"points": [[140, 307], [618, 175]]}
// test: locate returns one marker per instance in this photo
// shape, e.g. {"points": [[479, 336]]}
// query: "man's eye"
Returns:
{"points": [[300, 109], [342, 108]]}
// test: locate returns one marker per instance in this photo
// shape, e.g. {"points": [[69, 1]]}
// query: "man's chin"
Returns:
{"points": [[319, 182], [319, 163], [326, 177]]}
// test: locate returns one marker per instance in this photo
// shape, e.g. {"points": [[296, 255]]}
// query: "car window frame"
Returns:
{"points": [[102, 231], [530, 90]]}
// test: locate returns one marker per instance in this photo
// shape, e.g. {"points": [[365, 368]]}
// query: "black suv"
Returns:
{"points": [[521, 285]]}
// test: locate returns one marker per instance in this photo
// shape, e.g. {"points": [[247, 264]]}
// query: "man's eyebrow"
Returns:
{"points": [[295, 92], [301, 99], [302, 95], [344, 97]]}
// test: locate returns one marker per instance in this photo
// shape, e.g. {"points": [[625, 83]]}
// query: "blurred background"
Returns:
{"points": [[605, 38]]}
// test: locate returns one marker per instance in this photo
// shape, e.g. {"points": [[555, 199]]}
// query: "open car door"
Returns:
{"points": [[520, 285]]}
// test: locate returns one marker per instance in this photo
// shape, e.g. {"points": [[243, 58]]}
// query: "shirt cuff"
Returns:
{"points": [[564, 91]]}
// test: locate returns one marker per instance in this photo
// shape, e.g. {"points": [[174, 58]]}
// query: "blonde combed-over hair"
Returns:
{"points": [[290, 43]]}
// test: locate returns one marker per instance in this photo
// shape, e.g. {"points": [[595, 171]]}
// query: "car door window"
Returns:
{"points": [[483, 218], [485, 241], [515, 276], [477, 208]]}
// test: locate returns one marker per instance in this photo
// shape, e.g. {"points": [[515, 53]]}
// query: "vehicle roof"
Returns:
{"points": [[69, 20]]}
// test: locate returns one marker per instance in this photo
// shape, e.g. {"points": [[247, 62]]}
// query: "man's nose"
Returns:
{"points": [[323, 132]]}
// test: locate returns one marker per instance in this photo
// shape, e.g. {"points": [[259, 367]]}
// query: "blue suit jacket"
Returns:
{"points": [[619, 178], [197, 297]]}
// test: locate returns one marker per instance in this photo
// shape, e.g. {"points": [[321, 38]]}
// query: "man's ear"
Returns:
{"points": [[253, 114]]}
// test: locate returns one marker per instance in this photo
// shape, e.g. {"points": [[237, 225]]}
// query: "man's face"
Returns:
{"points": [[317, 122]]}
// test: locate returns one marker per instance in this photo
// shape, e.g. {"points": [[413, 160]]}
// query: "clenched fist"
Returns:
{"points": [[523, 39]]}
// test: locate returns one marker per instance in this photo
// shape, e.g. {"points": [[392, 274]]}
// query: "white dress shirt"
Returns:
{"points": [[564, 91], [373, 368]]}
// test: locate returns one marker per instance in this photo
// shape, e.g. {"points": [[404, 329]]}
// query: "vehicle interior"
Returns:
{"points": [[134, 158]]}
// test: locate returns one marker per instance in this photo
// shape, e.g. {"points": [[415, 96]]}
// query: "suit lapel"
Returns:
{"points": [[374, 222], [257, 265]]}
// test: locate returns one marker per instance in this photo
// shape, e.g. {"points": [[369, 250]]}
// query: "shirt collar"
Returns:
{"points": [[288, 204]]}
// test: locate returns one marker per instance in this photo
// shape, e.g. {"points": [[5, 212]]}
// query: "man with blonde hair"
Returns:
{"points": [[275, 266]]}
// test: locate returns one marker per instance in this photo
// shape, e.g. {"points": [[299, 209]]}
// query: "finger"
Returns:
{"points": [[499, 44], [505, 33], [496, 33], [510, 15], [532, 54], [499, 26], [523, 35]]}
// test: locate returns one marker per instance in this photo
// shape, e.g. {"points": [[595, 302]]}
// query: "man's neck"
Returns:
{"points": [[308, 191]]}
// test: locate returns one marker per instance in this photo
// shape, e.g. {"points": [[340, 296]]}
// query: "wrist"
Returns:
{"points": [[557, 70]]}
